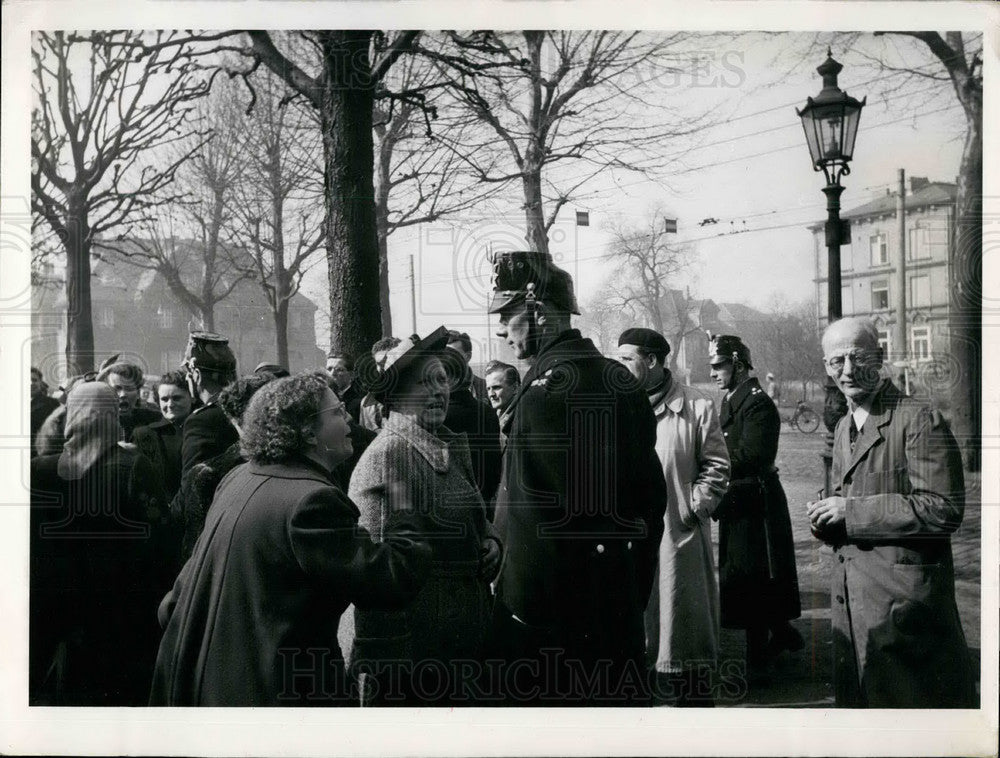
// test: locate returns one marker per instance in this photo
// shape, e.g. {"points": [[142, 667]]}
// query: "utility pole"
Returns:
{"points": [[899, 341], [413, 298]]}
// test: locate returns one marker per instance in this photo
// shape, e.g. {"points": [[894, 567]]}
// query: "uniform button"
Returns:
{"points": [[600, 548], [840, 558], [840, 599], [629, 545], [725, 434]]}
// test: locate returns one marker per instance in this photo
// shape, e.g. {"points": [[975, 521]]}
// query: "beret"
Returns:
{"points": [[648, 339]]}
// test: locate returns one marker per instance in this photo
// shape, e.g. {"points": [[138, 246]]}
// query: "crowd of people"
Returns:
{"points": [[495, 540]]}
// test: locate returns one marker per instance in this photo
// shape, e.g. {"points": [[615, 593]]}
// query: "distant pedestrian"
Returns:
{"points": [[502, 383], [758, 580], [682, 618], [773, 389], [898, 495], [371, 412]]}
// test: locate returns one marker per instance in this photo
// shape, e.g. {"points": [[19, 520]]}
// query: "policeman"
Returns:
{"points": [[758, 582], [210, 366], [580, 505]]}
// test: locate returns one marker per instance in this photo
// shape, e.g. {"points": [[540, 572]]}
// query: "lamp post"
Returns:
{"points": [[830, 121]]}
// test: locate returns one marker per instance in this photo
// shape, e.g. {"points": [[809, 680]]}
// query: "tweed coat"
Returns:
{"points": [[581, 501], [898, 640], [758, 581], [682, 618], [408, 466], [252, 618]]}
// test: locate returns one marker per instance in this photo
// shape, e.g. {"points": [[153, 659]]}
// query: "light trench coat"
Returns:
{"points": [[682, 617]]}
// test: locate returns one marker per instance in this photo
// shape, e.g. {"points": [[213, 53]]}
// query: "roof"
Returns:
{"points": [[934, 193]]}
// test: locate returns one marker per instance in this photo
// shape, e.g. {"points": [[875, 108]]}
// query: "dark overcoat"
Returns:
{"points": [[207, 433], [898, 640], [478, 421], [253, 616], [161, 443], [758, 581], [95, 580], [581, 502]]}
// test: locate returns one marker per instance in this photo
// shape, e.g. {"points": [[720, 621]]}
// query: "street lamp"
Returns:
{"points": [[830, 121]]}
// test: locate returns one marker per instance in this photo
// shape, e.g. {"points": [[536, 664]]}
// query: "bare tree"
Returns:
{"points": [[646, 264], [566, 98], [98, 113], [420, 173], [279, 200], [191, 242]]}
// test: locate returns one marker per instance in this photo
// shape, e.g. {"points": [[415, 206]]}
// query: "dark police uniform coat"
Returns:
{"points": [[898, 640], [757, 577], [581, 502], [207, 433]]}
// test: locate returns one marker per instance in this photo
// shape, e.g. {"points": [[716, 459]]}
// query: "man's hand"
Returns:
{"points": [[489, 559], [827, 519]]}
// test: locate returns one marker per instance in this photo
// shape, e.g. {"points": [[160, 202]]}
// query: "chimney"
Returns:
{"points": [[918, 182]]}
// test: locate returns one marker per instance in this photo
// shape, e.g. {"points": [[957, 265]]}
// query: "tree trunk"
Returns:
{"points": [[382, 230], [351, 239], [281, 333], [79, 310], [534, 216], [967, 290]]}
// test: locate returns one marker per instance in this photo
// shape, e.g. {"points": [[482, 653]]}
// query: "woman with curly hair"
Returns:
{"points": [[252, 619], [416, 656]]}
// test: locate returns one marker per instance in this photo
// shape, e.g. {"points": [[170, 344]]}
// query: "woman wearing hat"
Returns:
{"points": [[412, 657]]}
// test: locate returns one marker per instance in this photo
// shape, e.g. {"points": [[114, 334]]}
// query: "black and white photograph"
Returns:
{"points": [[500, 378]]}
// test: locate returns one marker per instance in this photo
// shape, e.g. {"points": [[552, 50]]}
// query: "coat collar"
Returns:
{"points": [[298, 467], [433, 447], [883, 406], [564, 347], [740, 395], [671, 397]]}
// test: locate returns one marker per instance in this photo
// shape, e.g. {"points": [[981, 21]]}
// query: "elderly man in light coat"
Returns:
{"points": [[682, 618]]}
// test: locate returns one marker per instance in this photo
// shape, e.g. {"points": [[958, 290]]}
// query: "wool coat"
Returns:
{"points": [[758, 581], [898, 640], [207, 433], [409, 467], [581, 502], [682, 618], [96, 577], [252, 618], [161, 443]]}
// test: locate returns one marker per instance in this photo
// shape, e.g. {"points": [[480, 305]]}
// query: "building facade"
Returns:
{"points": [[136, 315], [869, 276]]}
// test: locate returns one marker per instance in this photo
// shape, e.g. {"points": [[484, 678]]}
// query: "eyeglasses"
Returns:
{"points": [[858, 358], [337, 410]]}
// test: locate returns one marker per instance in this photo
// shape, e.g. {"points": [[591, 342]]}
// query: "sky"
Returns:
{"points": [[752, 172]]}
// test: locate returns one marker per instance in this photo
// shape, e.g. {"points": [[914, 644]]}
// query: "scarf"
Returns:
{"points": [[91, 428]]}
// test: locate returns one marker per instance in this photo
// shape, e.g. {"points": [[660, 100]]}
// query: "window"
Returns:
{"points": [[920, 342], [846, 301], [879, 246], [166, 318], [885, 342], [880, 295], [108, 317], [919, 244], [920, 290]]}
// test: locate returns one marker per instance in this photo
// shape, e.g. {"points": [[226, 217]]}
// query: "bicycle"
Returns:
{"points": [[805, 419]]}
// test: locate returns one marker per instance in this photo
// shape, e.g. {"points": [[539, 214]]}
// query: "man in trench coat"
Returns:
{"points": [[682, 618], [898, 495]]}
